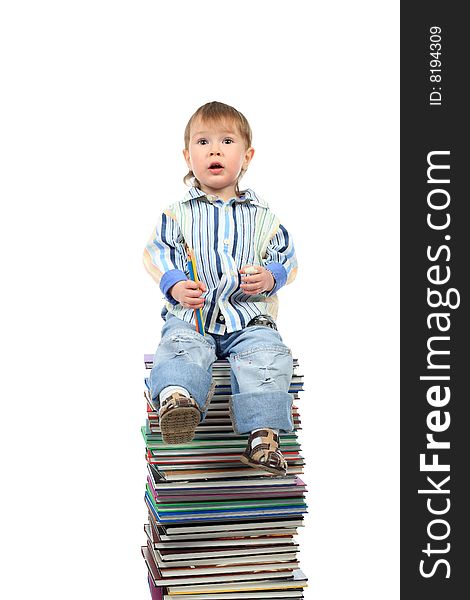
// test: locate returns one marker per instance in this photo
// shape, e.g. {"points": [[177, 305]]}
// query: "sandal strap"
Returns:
{"points": [[177, 400], [263, 447], [264, 439]]}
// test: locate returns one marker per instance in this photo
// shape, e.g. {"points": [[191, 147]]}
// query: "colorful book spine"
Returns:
{"points": [[194, 277]]}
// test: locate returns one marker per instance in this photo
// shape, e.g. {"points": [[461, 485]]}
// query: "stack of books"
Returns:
{"points": [[219, 529]]}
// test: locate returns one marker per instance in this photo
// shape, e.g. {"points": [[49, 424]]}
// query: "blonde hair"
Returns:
{"points": [[217, 112]]}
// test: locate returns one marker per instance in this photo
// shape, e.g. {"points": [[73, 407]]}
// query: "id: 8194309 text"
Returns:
{"points": [[435, 64]]}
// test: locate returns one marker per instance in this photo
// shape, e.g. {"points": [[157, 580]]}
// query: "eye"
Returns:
{"points": [[202, 142], [227, 141]]}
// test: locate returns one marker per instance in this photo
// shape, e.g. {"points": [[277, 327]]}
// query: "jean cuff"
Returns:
{"points": [[189, 376], [254, 410]]}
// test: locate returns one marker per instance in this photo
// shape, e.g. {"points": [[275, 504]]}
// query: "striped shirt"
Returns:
{"points": [[225, 236]]}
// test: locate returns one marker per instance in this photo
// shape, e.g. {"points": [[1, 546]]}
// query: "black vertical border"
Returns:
{"points": [[424, 129]]}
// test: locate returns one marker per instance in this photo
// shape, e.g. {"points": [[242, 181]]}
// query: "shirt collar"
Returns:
{"points": [[247, 196]]}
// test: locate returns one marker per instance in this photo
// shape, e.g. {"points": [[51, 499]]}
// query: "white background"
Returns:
{"points": [[95, 98]]}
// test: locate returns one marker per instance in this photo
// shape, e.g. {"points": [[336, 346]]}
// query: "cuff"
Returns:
{"points": [[168, 280], [280, 276], [257, 410]]}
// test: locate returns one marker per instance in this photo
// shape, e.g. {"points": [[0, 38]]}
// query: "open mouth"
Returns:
{"points": [[215, 166]]}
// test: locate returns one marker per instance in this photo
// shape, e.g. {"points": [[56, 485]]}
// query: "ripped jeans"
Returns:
{"points": [[261, 371]]}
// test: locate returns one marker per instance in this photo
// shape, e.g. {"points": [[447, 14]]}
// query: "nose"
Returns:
{"points": [[215, 149]]}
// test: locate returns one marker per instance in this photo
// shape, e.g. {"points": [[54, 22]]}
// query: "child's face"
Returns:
{"points": [[216, 155]]}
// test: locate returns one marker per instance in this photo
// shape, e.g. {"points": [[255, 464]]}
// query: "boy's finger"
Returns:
{"points": [[252, 276], [253, 279], [194, 303], [192, 285], [193, 293]]}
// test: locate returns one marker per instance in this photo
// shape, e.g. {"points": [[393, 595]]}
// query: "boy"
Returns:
{"points": [[243, 257]]}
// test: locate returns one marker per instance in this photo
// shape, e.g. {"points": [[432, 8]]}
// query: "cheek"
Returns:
{"points": [[195, 159], [237, 161]]}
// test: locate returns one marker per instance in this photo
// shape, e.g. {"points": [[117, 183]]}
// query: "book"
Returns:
{"points": [[278, 541], [233, 526], [296, 581], [157, 593], [202, 577], [239, 560], [225, 566], [241, 595], [204, 549]]}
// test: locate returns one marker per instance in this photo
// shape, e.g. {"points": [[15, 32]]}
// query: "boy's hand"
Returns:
{"points": [[188, 293], [257, 280]]}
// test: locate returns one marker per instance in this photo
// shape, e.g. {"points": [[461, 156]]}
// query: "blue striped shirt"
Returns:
{"points": [[225, 236]]}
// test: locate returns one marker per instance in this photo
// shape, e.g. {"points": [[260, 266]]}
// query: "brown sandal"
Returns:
{"points": [[265, 454], [179, 416]]}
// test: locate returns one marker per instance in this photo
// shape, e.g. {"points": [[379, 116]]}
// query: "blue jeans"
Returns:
{"points": [[261, 371]]}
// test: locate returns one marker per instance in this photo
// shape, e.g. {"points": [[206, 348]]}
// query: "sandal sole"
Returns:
{"points": [[257, 465], [179, 425]]}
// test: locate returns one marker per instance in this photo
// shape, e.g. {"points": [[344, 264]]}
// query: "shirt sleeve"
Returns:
{"points": [[281, 259], [165, 256]]}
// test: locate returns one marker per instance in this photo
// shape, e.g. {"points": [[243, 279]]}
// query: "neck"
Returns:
{"points": [[224, 194]]}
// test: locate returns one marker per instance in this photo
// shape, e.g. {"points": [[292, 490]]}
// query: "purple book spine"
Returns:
{"points": [[155, 592]]}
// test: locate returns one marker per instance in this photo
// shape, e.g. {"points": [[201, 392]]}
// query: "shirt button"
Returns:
{"points": [[226, 242], [221, 318]]}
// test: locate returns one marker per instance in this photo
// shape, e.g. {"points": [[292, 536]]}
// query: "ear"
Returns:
{"points": [[187, 159], [248, 156]]}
